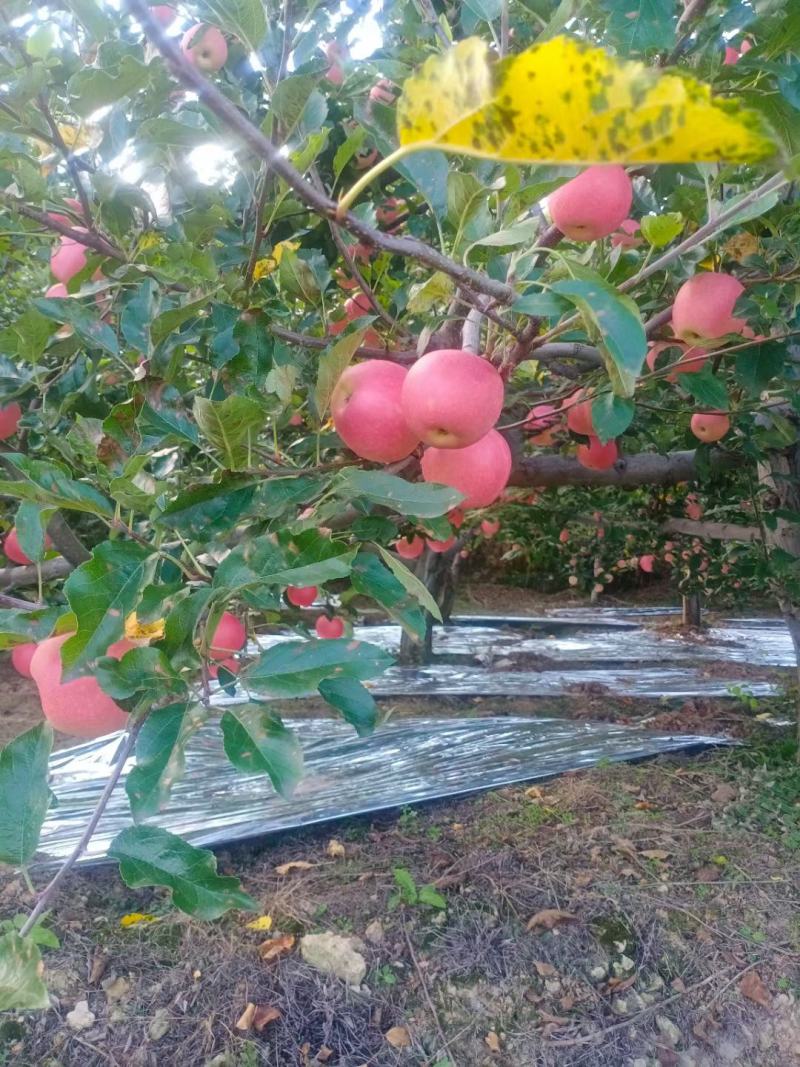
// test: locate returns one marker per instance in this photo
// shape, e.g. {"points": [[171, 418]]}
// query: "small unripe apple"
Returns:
{"points": [[480, 471], [451, 398], [489, 529], [693, 509], [12, 549], [368, 414], [335, 74], [440, 546], [164, 14], [409, 548], [597, 456], [68, 259], [205, 47], [296, 419], [229, 636], [21, 656], [302, 596], [646, 563], [10, 415], [572, 580], [79, 707], [710, 426], [594, 204], [732, 56], [329, 628], [703, 307]]}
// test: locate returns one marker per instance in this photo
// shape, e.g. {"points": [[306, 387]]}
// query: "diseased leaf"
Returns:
{"points": [[564, 101], [257, 742], [641, 25], [24, 795], [21, 985], [231, 426], [148, 855]]}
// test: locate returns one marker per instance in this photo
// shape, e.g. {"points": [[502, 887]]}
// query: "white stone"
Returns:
{"points": [[335, 955]]}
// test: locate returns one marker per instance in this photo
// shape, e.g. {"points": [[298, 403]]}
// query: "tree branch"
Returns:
{"points": [[12, 577], [67, 541], [404, 356], [712, 531], [84, 237], [233, 119], [645, 468]]}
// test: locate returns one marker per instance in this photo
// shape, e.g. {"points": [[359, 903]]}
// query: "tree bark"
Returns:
{"points": [[692, 610], [437, 570], [643, 468]]}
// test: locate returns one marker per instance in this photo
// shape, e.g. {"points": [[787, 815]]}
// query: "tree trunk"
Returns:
{"points": [[692, 610], [438, 571]]}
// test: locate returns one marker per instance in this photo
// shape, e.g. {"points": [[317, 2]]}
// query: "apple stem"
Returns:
{"points": [[346, 202]]}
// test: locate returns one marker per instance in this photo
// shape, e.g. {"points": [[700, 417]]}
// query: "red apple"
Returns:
{"points": [[710, 426], [329, 628], [356, 306], [164, 14], [302, 596], [79, 707], [10, 415], [542, 421], [451, 398], [229, 636], [367, 412], [409, 548], [383, 92], [205, 47], [703, 307], [594, 204], [456, 518], [296, 419], [732, 56], [597, 456], [12, 549], [489, 528], [335, 74], [625, 238], [579, 413], [233, 666], [68, 259], [440, 546], [57, 291], [365, 159], [390, 211], [480, 471], [21, 656], [564, 536], [646, 563]]}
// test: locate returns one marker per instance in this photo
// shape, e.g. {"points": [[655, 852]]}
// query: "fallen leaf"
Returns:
{"points": [[275, 947], [116, 988], [654, 854], [549, 917], [678, 985], [583, 879], [724, 793], [335, 849], [645, 805], [544, 970], [708, 873], [398, 1037], [754, 989], [98, 968], [294, 865], [262, 923], [492, 1041], [264, 1016], [245, 1020], [324, 1054], [553, 1020], [619, 985], [534, 792], [136, 917], [567, 1003], [624, 847]]}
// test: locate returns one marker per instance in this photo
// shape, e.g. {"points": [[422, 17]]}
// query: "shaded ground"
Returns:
{"points": [[671, 887]]}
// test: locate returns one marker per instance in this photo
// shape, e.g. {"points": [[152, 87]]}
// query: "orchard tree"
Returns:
{"points": [[293, 290]]}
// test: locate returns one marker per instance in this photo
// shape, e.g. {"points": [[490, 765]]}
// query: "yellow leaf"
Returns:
{"points": [[271, 263], [263, 922], [136, 917], [564, 101], [139, 631]]}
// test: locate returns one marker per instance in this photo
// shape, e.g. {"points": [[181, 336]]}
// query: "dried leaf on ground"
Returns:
{"points": [[135, 918], [398, 1037], [752, 987], [544, 970], [708, 873], [335, 849], [534, 792], [324, 1054], [655, 853], [262, 923], [492, 1041], [553, 1020], [294, 865], [725, 793], [265, 1014], [245, 1020], [550, 917], [275, 947]]}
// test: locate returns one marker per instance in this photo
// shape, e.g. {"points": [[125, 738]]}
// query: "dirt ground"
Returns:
{"points": [[628, 916]]}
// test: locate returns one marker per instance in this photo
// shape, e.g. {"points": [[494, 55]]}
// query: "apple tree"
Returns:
{"points": [[291, 289]]}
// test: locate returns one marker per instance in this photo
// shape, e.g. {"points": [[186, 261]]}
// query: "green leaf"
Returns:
{"points": [[31, 523], [757, 366], [141, 672], [521, 234], [377, 581], [355, 703], [168, 133], [19, 627], [437, 289], [257, 742], [103, 592], [159, 760], [295, 668], [611, 415], [641, 25], [545, 305], [137, 314], [148, 855], [245, 19], [659, 230], [708, 390], [406, 498], [33, 331], [92, 18], [21, 987], [24, 793], [171, 320], [259, 561], [404, 880], [166, 421], [411, 582], [181, 623], [332, 365], [612, 320], [46, 484], [92, 88], [86, 322], [289, 101], [347, 149], [430, 896], [206, 510], [231, 426]]}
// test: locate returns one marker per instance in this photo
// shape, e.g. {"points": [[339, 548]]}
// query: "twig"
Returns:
{"points": [[233, 119], [84, 237], [430, 16], [20, 605], [424, 986], [48, 893], [364, 351]]}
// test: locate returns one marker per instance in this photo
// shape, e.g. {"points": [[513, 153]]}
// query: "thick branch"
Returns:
{"points": [[84, 237], [11, 577], [646, 468], [233, 119], [67, 541], [712, 531]]}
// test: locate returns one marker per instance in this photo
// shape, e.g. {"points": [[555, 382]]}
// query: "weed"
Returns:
{"points": [[408, 892]]}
